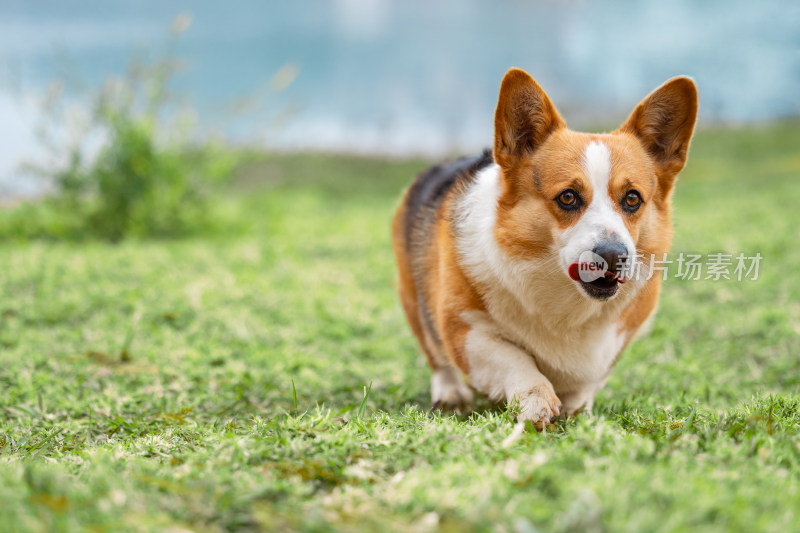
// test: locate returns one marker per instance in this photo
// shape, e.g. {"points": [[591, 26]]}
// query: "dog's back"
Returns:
{"points": [[414, 238]]}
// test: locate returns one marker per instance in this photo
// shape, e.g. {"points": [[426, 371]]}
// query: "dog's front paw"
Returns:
{"points": [[539, 405]]}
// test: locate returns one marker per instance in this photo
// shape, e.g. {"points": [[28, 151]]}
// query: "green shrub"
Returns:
{"points": [[149, 178]]}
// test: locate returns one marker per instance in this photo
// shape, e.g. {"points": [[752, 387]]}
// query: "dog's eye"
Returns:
{"points": [[568, 199], [632, 200]]}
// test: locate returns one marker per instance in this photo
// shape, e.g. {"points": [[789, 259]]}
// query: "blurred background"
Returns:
{"points": [[409, 77], [199, 329]]}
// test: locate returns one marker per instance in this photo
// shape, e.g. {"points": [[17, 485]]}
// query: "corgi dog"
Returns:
{"points": [[511, 263]]}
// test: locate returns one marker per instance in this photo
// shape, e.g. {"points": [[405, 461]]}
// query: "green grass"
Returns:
{"points": [[265, 378]]}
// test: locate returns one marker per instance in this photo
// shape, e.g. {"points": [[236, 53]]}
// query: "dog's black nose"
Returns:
{"points": [[614, 252]]}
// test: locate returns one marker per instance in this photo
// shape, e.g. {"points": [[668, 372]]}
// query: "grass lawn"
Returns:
{"points": [[218, 383]]}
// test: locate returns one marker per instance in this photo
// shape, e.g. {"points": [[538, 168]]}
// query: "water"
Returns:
{"points": [[401, 77]]}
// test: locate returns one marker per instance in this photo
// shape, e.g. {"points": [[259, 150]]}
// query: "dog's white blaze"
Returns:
{"points": [[597, 162], [601, 220]]}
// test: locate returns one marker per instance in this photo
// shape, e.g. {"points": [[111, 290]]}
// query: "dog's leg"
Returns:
{"points": [[505, 372], [578, 402], [448, 389]]}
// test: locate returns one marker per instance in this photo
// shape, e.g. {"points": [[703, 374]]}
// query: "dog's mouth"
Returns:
{"points": [[600, 286]]}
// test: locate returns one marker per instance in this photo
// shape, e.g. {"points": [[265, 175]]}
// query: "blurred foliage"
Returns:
{"points": [[149, 177]]}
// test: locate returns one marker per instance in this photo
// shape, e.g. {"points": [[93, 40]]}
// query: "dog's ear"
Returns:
{"points": [[664, 122], [524, 118]]}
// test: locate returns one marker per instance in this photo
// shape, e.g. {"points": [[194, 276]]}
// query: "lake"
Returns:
{"points": [[374, 76]]}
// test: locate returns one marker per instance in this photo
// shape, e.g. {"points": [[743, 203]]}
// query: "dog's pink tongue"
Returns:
{"points": [[574, 273]]}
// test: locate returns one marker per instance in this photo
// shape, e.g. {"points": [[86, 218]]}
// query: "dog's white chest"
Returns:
{"points": [[573, 352]]}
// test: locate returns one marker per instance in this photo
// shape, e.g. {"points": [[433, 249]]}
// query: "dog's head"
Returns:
{"points": [[591, 203]]}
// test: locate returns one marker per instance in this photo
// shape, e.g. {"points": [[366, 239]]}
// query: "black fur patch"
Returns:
{"points": [[431, 187]]}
